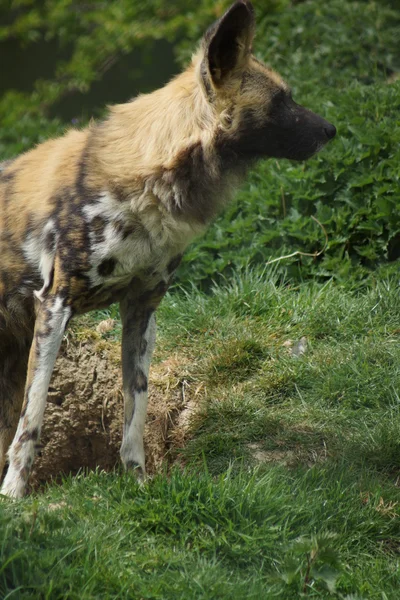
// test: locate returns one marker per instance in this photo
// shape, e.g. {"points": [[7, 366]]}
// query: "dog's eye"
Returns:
{"points": [[282, 97]]}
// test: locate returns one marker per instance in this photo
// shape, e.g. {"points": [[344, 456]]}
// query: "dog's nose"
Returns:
{"points": [[330, 131]]}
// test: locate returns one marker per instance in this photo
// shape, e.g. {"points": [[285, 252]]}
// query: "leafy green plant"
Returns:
{"points": [[312, 559], [344, 67]]}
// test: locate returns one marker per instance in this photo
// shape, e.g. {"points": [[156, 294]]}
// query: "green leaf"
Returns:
{"points": [[327, 574]]}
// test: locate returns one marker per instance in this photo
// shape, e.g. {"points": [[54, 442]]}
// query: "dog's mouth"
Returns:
{"points": [[300, 149], [304, 154], [317, 132]]}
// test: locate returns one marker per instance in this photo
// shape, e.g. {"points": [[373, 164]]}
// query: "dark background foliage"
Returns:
{"points": [[62, 61]]}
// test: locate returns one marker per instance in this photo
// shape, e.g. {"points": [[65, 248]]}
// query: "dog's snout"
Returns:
{"points": [[330, 131]]}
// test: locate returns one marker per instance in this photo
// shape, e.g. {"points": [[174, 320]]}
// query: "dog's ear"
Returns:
{"points": [[228, 42]]}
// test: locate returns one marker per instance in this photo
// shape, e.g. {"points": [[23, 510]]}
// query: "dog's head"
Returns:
{"points": [[257, 114]]}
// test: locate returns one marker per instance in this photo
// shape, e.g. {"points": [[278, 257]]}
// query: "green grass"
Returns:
{"points": [[341, 395], [291, 481], [194, 536]]}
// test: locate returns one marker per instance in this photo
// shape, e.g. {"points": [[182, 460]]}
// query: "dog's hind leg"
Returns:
{"points": [[13, 366], [51, 320]]}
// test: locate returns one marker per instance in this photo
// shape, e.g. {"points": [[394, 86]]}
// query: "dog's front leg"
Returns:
{"points": [[51, 321], [138, 339]]}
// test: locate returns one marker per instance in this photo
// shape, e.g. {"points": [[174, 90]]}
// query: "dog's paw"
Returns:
{"points": [[12, 489], [133, 467]]}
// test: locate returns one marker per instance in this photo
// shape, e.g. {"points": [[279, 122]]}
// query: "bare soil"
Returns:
{"points": [[84, 414]]}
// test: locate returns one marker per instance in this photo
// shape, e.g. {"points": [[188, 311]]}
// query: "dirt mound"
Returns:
{"points": [[83, 420]]}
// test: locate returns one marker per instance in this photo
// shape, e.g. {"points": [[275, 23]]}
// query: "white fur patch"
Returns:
{"points": [[158, 236], [128, 253], [40, 257]]}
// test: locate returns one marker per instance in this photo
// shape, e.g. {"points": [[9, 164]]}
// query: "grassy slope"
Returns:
{"points": [[283, 448]]}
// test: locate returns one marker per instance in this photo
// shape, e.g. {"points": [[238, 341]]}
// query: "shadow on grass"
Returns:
{"points": [[271, 441]]}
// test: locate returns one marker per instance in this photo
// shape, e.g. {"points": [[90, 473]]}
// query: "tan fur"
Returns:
{"points": [[150, 132]]}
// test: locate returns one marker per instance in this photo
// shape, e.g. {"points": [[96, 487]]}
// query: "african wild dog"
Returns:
{"points": [[104, 214]]}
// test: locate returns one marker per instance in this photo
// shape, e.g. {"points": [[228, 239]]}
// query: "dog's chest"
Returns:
{"points": [[105, 249], [124, 243]]}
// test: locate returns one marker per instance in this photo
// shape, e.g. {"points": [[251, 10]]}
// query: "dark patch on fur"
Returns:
{"points": [[285, 130], [100, 296], [82, 190], [26, 401], [137, 323], [119, 193], [97, 226], [128, 228], [153, 297], [43, 327], [174, 264], [35, 434], [28, 436], [139, 381], [197, 193], [50, 241], [7, 177], [106, 267]]}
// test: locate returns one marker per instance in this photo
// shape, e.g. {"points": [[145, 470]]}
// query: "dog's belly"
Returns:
{"points": [[151, 288]]}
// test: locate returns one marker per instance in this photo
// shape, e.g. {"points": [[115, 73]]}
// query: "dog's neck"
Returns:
{"points": [[142, 137], [164, 142]]}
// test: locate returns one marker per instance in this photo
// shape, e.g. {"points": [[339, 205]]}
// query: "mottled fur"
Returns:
{"points": [[104, 215]]}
